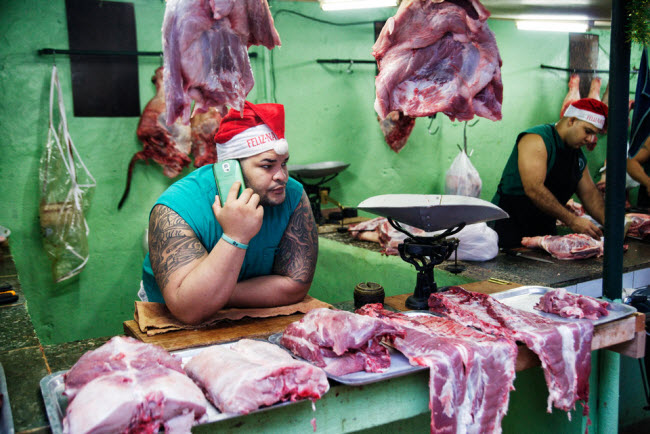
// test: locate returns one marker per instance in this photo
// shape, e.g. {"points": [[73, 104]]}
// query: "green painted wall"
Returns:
{"points": [[330, 116]]}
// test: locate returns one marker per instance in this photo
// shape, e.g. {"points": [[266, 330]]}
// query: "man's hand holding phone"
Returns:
{"points": [[239, 217]]}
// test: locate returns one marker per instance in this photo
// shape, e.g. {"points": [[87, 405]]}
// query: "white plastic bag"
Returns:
{"points": [[66, 185], [478, 242], [462, 177]]}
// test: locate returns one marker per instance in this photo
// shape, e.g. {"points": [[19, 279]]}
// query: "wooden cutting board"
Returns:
{"points": [[226, 331]]}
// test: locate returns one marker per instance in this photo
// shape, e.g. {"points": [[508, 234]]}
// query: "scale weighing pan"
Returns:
{"points": [[317, 170], [432, 212]]}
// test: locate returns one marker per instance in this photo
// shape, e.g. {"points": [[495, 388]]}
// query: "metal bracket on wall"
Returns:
{"points": [[55, 51]]}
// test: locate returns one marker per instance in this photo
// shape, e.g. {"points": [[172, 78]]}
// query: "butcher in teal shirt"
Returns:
{"points": [[258, 249]]}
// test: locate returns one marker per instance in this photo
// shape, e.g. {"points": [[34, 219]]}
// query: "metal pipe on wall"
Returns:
{"points": [[619, 88]]}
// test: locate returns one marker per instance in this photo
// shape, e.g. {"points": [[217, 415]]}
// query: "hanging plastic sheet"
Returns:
{"points": [[66, 187], [640, 128]]}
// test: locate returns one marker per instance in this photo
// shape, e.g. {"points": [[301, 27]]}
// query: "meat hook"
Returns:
{"points": [[349, 70], [429, 127]]}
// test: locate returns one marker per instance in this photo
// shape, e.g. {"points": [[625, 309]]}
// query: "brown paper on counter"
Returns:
{"points": [[155, 318]]}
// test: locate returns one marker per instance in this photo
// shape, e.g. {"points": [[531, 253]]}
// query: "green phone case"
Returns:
{"points": [[225, 174]]}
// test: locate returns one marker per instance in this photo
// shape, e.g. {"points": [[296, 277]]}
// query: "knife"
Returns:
{"points": [[521, 255]]}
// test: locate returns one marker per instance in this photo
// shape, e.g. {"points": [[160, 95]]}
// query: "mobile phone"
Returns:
{"points": [[225, 174]]}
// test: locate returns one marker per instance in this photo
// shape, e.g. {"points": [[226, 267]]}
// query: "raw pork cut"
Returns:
{"points": [[569, 305], [471, 373], [340, 342], [136, 401], [594, 88], [438, 56], [639, 225], [397, 128], [167, 144], [205, 46], [204, 127], [378, 230], [572, 246], [121, 353], [129, 386], [250, 374], [573, 94], [564, 348]]}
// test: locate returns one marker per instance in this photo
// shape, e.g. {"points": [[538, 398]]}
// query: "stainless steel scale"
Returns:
{"points": [[431, 213], [318, 174]]}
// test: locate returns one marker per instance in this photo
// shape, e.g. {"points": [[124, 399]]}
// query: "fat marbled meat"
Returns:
{"points": [[167, 144], [205, 46], [142, 388], [340, 342], [639, 225], [564, 348], [572, 246], [471, 372], [569, 305], [249, 374], [438, 56]]}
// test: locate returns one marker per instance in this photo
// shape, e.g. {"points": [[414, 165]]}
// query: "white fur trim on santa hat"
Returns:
{"points": [[251, 142], [585, 115]]}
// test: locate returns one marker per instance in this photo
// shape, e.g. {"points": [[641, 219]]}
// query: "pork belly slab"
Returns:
{"points": [[471, 373], [564, 348], [250, 374], [129, 386], [340, 342]]}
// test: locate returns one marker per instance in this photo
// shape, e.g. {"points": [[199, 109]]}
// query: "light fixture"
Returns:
{"points": [[337, 5], [553, 23]]}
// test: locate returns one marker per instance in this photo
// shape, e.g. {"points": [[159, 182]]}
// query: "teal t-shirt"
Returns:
{"points": [[510, 183], [192, 198]]}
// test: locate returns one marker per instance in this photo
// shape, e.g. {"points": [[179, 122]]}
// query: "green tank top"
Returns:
{"points": [[510, 183], [192, 198]]}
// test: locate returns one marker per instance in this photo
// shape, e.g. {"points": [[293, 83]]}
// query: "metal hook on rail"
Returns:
{"points": [[349, 70]]}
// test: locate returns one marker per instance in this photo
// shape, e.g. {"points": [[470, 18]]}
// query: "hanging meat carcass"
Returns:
{"points": [[204, 127], [167, 145], [397, 128], [573, 94], [594, 89], [205, 46], [438, 56]]}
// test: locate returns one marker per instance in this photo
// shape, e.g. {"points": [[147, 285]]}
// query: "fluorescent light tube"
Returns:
{"points": [[337, 5], [553, 26]]}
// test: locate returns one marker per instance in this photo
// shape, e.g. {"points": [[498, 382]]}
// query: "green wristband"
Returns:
{"points": [[229, 240]]}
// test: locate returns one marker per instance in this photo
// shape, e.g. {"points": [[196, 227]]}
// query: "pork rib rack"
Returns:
{"points": [[340, 342], [564, 348], [471, 373]]}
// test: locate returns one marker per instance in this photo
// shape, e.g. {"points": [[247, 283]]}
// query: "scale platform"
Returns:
{"points": [[317, 170], [432, 212]]}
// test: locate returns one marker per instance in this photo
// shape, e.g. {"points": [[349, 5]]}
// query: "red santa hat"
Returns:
{"points": [[589, 110], [258, 128]]}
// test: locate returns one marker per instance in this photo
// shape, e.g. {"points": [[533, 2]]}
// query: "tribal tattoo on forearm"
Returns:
{"points": [[172, 244], [298, 249]]}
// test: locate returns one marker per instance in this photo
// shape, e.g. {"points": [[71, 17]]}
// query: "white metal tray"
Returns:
{"points": [[52, 387], [526, 297], [399, 363], [6, 420]]}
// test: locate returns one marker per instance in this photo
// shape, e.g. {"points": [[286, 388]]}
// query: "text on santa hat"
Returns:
{"points": [[261, 139]]}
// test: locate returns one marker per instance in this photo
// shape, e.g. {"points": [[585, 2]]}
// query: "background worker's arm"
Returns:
{"points": [[532, 168]]}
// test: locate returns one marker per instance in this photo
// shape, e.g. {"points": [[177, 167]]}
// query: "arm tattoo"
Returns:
{"points": [[298, 249], [172, 244]]}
